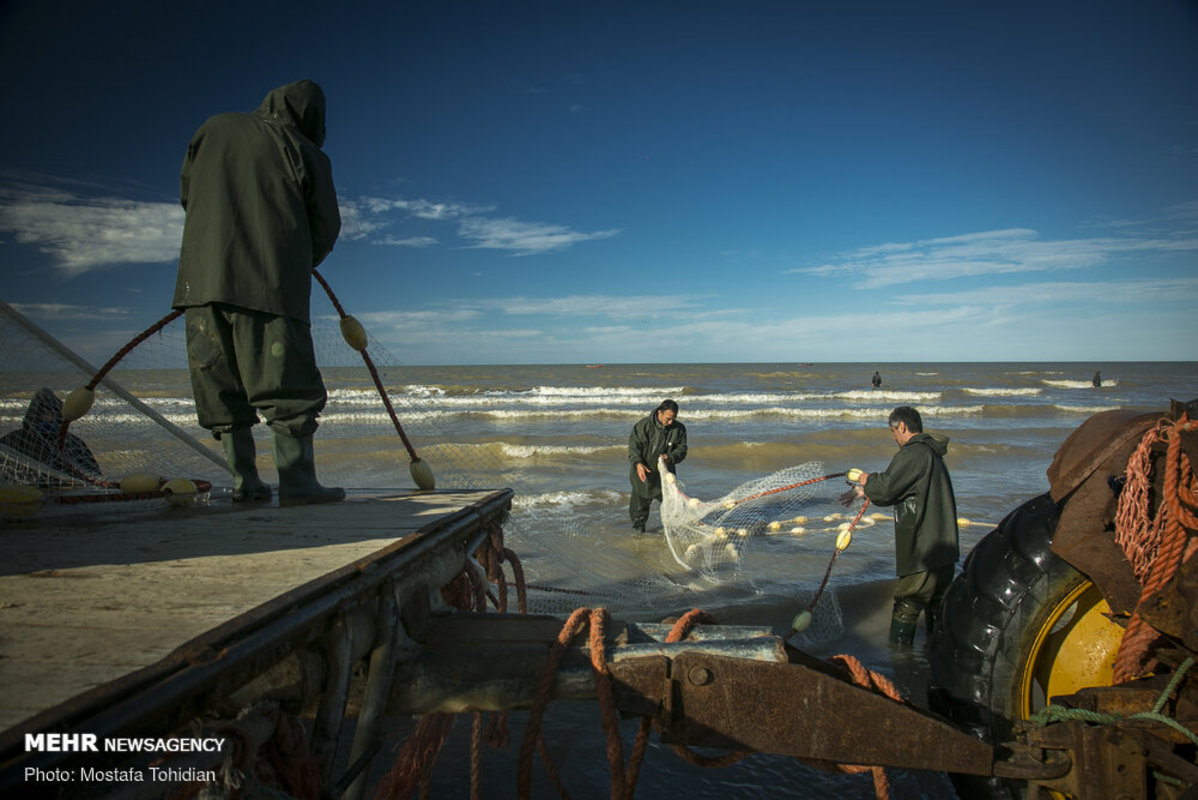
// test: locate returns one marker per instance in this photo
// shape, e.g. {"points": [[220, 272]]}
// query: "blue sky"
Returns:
{"points": [[567, 182]]}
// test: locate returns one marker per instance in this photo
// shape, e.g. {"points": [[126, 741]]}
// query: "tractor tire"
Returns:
{"points": [[1018, 626]]}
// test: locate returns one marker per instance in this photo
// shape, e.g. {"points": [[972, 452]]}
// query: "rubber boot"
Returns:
{"points": [[903, 621], [297, 473], [902, 634], [242, 457]]}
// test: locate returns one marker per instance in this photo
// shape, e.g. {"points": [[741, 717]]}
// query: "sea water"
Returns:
{"points": [[558, 434]]}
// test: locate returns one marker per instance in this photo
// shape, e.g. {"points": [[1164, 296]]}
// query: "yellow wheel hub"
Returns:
{"points": [[1074, 648]]}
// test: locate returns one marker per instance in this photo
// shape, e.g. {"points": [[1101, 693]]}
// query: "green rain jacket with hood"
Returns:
{"points": [[261, 206], [917, 484], [650, 439]]}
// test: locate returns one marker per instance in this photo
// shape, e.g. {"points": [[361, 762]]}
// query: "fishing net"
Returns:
{"points": [[761, 519], [122, 434], [143, 421], [710, 537]]}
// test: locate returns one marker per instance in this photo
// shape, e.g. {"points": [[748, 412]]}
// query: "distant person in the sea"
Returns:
{"points": [[261, 214], [37, 440], [1096, 381], [659, 434], [877, 380], [926, 544]]}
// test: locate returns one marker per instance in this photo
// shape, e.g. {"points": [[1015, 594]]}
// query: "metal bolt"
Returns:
{"points": [[699, 676]]}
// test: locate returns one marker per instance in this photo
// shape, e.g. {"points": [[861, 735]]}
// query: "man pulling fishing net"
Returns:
{"points": [[658, 436], [261, 213], [926, 544]]}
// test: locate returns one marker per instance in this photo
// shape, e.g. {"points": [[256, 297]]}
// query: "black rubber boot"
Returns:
{"points": [[297, 473], [242, 459], [903, 621]]}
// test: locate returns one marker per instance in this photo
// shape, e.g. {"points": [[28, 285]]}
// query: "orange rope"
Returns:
{"points": [[416, 758], [536, 712], [868, 678], [1156, 545], [1136, 530], [679, 632]]}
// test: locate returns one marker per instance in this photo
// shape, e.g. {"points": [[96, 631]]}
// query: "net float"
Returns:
{"points": [[140, 482], [422, 474], [179, 491], [17, 500], [353, 333], [78, 403]]}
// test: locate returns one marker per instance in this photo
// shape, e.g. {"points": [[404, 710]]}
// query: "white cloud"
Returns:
{"points": [[523, 238], [409, 241], [60, 311], [84, 233], [631, 306], [1159, 290], [986, 253]]}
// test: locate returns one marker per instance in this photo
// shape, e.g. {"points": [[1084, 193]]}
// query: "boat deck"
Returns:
{"points": [[96, 606]]}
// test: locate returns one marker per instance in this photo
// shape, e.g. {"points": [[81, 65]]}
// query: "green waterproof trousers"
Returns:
{"points": [[245, 363], [643, 493], [915, 594]]}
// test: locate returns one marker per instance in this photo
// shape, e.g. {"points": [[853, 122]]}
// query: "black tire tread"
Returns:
{"points": [[991, 609]]}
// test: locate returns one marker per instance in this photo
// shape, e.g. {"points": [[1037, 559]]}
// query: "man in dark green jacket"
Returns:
{"points": [[926, 545], [261, 213], [658, 435]]}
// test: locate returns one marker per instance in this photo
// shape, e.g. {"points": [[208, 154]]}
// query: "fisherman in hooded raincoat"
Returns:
{"points": [[926, 540], [261, 213], [659, 434]]}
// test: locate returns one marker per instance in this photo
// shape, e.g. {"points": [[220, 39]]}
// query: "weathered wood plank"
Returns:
{"points": [[87, 598]]}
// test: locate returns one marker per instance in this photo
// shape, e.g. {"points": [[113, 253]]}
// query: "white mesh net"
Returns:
{"points": [[143, 421], [716, 539], [711, 537]]}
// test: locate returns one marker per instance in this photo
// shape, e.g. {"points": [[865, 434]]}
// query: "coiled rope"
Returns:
{"points": [[1155, 543]]}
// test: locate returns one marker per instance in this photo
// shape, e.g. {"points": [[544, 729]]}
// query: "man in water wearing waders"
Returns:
{"points": [[926, 545], [261, 214], [659, 434]]}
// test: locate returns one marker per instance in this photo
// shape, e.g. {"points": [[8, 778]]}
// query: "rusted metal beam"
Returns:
{"points": [[493, 662], [794, 709]]}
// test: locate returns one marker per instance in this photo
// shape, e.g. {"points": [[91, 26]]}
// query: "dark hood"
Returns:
{"points": [[938, 442], [300, 104], [43, 400]]}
